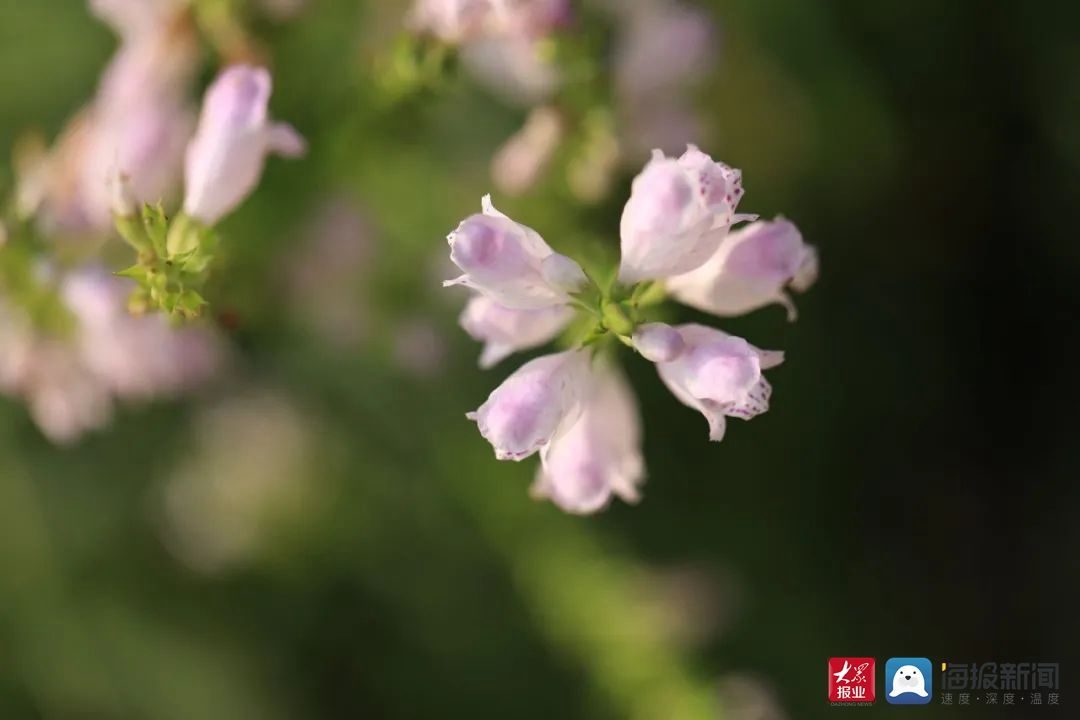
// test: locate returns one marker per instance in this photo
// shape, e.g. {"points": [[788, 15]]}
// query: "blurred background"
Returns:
{"points": [[319, 532]]}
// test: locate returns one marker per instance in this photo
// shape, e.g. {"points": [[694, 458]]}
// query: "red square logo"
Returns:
{"points": [[851, 680]]}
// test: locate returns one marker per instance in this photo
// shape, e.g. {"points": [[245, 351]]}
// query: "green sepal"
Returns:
{"points": [[156, 224], [133, 230], [185, 236], [647, 294], [139, 273], [616, 318], [189, 304]]}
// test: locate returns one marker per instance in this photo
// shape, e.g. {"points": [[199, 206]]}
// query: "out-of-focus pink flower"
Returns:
{"points": [[651, 81], [678, 212], [751, 269], [250, 471], [225, 158], [600, 454], [457, 21], [135, 357], [539, 401], [139, 129], [513, 68], [326, 276], [498, 40], [282, 10], [451, 21], [511, 263], [645, 64], [521, 160], [136, 17], [504, 331], [137, 125], [419, 347], [719, 375], [69, 380]]}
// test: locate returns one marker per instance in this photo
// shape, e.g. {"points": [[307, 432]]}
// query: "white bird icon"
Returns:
{"points": [[844, 671]]}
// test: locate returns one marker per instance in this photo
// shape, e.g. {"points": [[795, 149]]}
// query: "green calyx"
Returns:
{"points": [[174, 259], [614, 313]]}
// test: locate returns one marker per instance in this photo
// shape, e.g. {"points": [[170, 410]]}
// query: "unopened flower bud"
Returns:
{"points": [[226, 157], [658, 342]]}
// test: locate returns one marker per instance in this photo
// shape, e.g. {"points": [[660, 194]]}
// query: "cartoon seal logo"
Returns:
{"points": [[910, 681]]}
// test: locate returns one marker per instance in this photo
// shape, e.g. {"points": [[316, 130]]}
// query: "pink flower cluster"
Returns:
{"points": [[577, 410], [130, 145], [137, 124], [456, 21], [141, 126], [70, 378]]}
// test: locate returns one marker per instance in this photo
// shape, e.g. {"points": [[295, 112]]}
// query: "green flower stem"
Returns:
{"points": [[616, 319]]}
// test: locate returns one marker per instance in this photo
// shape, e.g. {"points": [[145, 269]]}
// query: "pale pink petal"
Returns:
{"points": [[510, 263], [541, 399], [719, 375], [600, 454], [504, 331], [678, 213], [751, 269], [226, 157]]}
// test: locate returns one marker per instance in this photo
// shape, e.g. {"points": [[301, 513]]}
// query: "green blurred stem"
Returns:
{"points": [[584, 592]]}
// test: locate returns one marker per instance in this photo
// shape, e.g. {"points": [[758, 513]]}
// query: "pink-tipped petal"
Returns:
{"points": [[504, 331], [720, 376], [678, 213], [751, 269], [599, 455], [537, 402]]}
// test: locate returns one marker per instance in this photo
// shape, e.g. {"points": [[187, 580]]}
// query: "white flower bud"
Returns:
{"points": [[226, 157], [658, 342]]}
